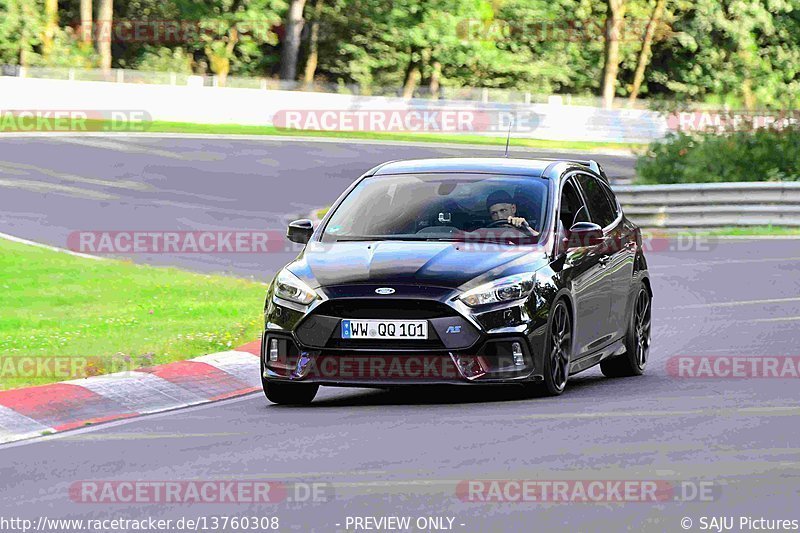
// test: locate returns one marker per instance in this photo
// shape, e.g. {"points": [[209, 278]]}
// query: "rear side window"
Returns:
{"points": [[611, 198], [602, 211]]}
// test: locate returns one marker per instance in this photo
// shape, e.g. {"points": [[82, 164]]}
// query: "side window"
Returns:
{"points": [[572, 207], [612, 199], [600, 206]]}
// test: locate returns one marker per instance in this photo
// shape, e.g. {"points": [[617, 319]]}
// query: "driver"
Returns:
{"points": [[502, 207]]}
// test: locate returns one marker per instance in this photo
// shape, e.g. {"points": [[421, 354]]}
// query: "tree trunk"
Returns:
{"points": [[221, 62], [614, 21], [412, 79], [435, 77], [25, 36], [105, 19], [290, 48], [86, 22], [750, 99], [313, 46], [644, 54], [50, 27]]}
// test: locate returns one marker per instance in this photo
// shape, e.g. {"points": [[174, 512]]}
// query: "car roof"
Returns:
{"points": [[478, 165]]}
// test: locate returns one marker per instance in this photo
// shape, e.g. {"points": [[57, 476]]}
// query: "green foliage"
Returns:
{"points": [[768, 154], [741, 53], [165, 59]]}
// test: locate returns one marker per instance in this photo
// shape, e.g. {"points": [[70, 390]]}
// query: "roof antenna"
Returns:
{"points": [[508, 137]]}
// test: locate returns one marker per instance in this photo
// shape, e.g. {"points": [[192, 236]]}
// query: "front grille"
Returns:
{"points": [[389, 308], [385, 344]]}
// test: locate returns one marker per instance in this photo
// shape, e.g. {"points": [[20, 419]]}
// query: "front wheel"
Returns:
{"points": [[289, 393], [637, 341], [559, 350]]}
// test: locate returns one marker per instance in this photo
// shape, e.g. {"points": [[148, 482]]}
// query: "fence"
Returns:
{"points": [[712, 204], [469, 94]]}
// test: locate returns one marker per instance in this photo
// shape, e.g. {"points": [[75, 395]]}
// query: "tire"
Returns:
{"points": [[637, 340], [289, 393], [558, 350]]}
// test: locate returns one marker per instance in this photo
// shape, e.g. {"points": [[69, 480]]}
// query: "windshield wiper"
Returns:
{"points": [[418, 238], [361, 238]]}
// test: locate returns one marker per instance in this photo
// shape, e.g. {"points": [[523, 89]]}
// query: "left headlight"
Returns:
{"points": [[505, 289], [290, 287]]}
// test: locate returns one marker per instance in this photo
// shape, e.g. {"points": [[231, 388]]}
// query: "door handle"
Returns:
{"points": [[604, 260]]}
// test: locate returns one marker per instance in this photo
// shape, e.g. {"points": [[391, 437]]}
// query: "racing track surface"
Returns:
{"points": [[53, 186], [403, 453]]}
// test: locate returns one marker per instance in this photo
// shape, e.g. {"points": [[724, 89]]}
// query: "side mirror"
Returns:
{"points": [[585, 234], [300, 231]]}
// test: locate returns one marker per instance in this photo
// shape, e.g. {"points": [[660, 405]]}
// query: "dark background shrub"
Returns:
{"points": [[767, 154]]}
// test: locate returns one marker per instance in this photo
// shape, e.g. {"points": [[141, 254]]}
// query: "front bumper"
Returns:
{"points": [[499, 345]]}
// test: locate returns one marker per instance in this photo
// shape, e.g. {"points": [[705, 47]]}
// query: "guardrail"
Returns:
{"points": [[712, 204]]}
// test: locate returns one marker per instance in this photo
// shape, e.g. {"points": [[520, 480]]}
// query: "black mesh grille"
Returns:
{"points": [[386, 344]]}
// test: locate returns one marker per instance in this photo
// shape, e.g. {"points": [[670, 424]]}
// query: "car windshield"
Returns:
{"points": [[441, 207]]}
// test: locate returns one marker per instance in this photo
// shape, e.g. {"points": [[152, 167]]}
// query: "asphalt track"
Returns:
{"points": [[404, 453], [53, 186]]}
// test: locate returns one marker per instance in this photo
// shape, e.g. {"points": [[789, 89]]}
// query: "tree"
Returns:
{"points": [[50, 27], [290, 47], [644, 54], [86, 23], [313, 45], [613, 29], [105, 19], [232, 34]]}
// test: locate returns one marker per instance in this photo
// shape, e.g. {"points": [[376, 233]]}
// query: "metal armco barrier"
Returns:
{"points": [[712, 204]]}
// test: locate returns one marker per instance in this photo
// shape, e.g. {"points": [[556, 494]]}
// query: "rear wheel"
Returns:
{"points": [[559, 350], [637, 341], [289, 393]]}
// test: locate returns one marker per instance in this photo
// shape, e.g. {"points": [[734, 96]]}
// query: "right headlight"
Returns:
{"points": [[505, 289], [290, 287]]}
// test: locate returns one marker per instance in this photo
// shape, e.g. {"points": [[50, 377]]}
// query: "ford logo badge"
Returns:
{"points": [[385, 290]]}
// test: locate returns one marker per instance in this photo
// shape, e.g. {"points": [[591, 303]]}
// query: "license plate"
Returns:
{"points": [[384, 329]]}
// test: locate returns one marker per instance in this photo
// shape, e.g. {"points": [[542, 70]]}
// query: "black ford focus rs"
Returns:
{"points": [[460, 271]]}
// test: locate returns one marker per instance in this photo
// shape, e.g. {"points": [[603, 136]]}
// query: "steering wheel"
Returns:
{"points": [[498, 223]]}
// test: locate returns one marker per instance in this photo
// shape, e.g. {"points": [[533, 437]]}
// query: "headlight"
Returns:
{"points": [[290, 287], [505, 289]]}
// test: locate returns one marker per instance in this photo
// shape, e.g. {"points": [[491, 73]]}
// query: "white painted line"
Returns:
{"points": [[780, 319], [737, 303], [140, 392], [11, 238], [15, 426], [243, 366]]}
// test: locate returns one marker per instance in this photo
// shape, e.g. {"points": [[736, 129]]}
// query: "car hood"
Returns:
{"points": [[443, 264]]}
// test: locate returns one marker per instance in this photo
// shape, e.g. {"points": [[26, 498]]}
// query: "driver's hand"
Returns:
{"points": [[520, 222]]}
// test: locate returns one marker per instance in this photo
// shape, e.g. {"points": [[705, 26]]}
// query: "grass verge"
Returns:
{"points": [[240, 129], [753, 231], [112, 315]]}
